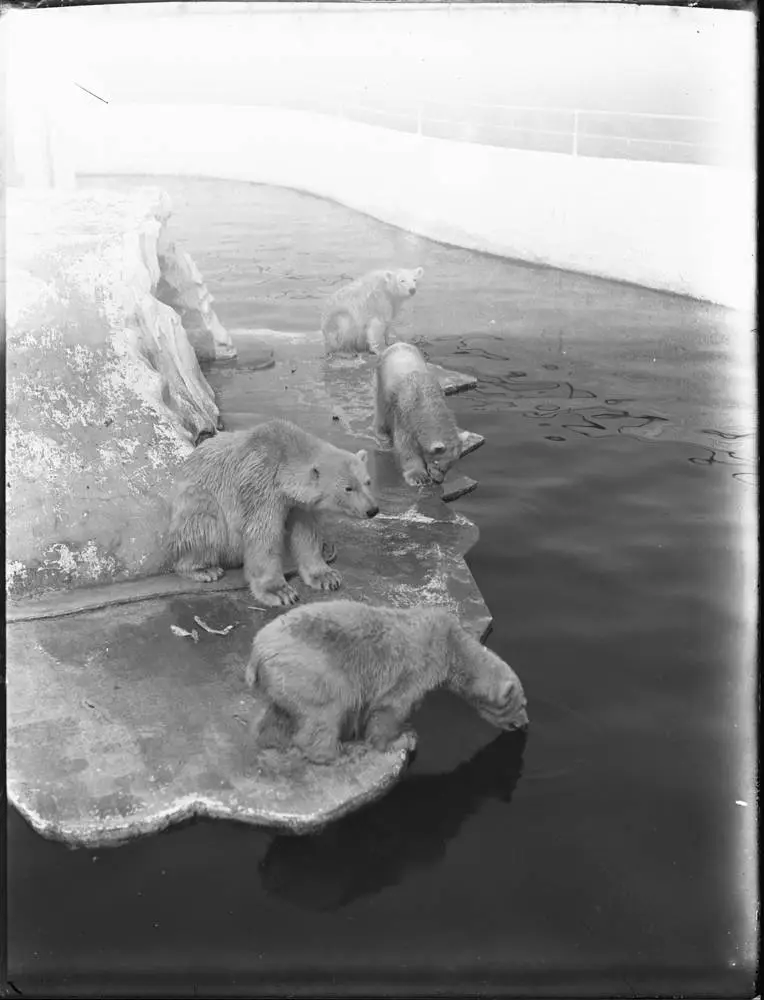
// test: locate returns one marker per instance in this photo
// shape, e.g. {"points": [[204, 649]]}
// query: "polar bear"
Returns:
{"points": [[242, 495], [411, 411], [339, 668], [357, 318]]}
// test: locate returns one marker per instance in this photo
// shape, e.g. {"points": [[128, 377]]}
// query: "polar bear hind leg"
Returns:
{"points": [[343, 335], [198, 536], [376, 335], [319, 736]]}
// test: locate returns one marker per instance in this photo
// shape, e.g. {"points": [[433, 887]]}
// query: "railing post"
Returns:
{"points": [[575, 132]]}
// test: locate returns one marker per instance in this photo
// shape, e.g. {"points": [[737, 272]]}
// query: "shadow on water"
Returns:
{"points": [[378, 846]]}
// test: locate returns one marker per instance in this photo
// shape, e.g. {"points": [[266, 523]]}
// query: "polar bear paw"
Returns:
{"points": [[324, 579], [417, 477], [277, 595]]}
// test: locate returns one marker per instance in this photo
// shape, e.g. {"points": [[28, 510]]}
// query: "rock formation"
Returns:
{"points": [[182, 287], [104, 391]]}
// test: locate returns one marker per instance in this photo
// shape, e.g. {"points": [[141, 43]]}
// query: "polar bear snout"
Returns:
{"points": [[357, 500], [509, 717], [412, 291]]}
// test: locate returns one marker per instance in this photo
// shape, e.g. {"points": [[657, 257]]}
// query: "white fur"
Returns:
{"points": [[344, 666], [357, 318], [242, 496], [412, 412]]}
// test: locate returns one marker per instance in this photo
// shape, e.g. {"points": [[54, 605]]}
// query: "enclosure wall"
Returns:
{"points": [[677, 227]]}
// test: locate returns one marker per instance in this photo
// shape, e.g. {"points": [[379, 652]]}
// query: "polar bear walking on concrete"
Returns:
{"points": [[241, 497], [412, 412], [357, 318], [341, 669]]}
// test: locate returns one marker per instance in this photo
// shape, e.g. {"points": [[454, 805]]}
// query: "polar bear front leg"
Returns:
{"points": [[308, 550], [382, 416], [376, 335], [318, 734], [263, 570], [385, 724], [412, 466]]}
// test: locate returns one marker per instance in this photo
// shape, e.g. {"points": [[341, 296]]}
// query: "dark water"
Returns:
{"points": [[600, 858]]}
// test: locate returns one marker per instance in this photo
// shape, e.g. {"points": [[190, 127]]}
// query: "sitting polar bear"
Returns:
{"points": [[412, 412], [242, 496], [357, 318], [337, 669]]}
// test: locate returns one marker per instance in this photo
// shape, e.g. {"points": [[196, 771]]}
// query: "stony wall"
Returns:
{"points": [[104, 391]]}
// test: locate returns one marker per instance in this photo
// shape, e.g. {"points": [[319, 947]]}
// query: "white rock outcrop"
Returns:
{"points": [[104, 391]]}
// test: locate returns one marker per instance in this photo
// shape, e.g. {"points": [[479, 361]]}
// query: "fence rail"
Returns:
{"points": [[575, 131], [579, 132], [583, 132]]}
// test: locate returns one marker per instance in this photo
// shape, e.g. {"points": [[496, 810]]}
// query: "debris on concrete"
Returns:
{"points": [[211, 630]]}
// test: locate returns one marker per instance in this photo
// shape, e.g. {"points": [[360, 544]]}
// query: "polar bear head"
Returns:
{"points": [[343, 483], [402, 282], [496, 692]]}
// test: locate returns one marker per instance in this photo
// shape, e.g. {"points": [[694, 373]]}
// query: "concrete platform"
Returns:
{"points": [[119, 724]]}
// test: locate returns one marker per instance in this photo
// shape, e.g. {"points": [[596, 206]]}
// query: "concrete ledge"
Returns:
{"points": [[118, 728]]}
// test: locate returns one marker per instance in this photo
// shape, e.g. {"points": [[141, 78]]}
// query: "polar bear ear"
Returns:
{"points": [[362, 456], [438, 448], [389, 275], [419, 272]]}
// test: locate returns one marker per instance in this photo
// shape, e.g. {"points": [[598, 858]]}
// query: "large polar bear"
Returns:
{"points": [[338, 669], [357, 318], [412, 412], [241, 496]]}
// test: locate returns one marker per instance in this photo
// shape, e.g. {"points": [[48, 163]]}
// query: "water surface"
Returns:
{"points": [[600, 857]]}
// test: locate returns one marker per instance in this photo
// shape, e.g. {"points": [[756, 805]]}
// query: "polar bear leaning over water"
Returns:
{"points": [[412, 413], [338, 670], [357, 318]]}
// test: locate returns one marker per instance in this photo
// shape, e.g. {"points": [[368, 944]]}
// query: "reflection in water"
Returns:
{"points": [[617, 422], [566, 407], [410, 828], [717, 457]]}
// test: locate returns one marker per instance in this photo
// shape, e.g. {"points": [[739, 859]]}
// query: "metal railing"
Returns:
{"points": [[580, 132], [575, 131]]}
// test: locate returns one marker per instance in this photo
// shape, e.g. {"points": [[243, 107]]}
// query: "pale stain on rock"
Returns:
{"points": [[105, 394]]}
